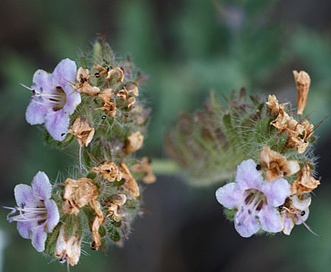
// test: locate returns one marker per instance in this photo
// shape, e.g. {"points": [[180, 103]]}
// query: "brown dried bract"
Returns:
{"points": [[82, 130], [144, 166], [133, 142], [302, 81], [109, 171], [276, 165], [305, 182], [77, 194], [130, 184]]}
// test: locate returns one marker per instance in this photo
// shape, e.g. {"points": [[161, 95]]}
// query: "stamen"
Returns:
{"points": [[27, 214]]}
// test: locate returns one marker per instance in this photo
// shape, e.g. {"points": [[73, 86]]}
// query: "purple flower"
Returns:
{"points": [[254, 199], [54, 99], [36, 213]]}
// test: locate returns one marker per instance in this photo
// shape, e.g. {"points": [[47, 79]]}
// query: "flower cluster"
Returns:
{"points": [[267, 150], [97, 109]]}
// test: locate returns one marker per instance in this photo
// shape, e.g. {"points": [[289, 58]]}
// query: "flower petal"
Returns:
{"points": [[270, 219], [276, 191], [38, 238], [23, 194], [247, 176], [53, 216], [41, 186], [57, 124], [288, 224], [64, 73], [35, 113], [42, 81], [245, 223], [24, 228], [229, 195], [73, 99]]}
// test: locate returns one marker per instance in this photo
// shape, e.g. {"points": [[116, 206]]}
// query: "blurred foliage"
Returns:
{"points": [[187, 48]]}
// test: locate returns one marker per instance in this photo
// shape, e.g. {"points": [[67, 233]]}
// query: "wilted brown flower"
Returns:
{"points": [[83, 85], [273, 105], [68, 249], [109, 171], [144, 166], [133, 142], [130, 184], [82, 130], [108, 104], [305, 182], [302, 81], [97, 222], [299, 135], [77, 194], [276, 165], [131, 88], [124, 95], [295, 211], [114, 205], [115, 74]]}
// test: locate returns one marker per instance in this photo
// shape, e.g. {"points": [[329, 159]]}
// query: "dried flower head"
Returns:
{"points": [[295, 211], [302, 81], [84, 85], [273, 105], [298, 135], [97, 222], [108, 104], [116, 74], [82, 130], [109, 171], [130, 184], [68, 249], [276, 165], [133, 142], [131, 88], [144, 166], [305, 182], [114, 205], [77, 194]]}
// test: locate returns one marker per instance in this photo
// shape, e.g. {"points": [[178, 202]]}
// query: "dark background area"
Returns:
{"points": [[187, 48]]}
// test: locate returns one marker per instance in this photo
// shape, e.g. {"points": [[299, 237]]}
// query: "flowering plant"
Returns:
{"points": [[97, 109], [262, 145]]}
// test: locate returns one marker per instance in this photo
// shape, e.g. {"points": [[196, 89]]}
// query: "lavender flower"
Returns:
{"points": [[254, 199], [54, 99], [37, 212]]}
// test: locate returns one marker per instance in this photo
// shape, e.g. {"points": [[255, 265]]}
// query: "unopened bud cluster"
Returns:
{"points": [[95, 108]]}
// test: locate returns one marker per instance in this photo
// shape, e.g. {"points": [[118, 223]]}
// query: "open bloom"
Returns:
{"points": [[54, 99], [255, 200], [37, 212]]}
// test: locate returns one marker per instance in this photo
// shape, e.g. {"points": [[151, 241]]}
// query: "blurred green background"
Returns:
{"points": [[187, 48]]}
